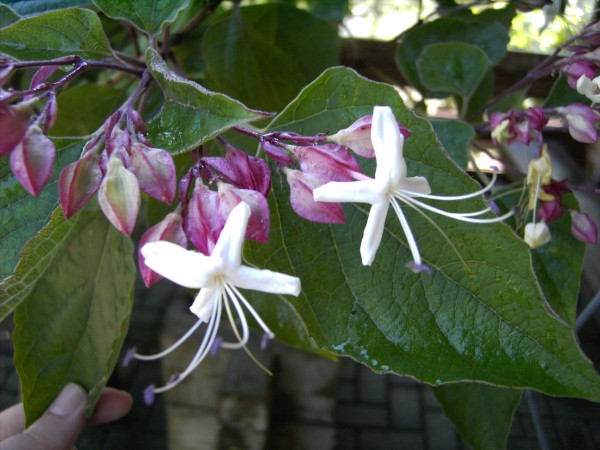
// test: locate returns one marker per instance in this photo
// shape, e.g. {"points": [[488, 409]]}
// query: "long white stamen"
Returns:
{"points": [[172, 347], [448, 198], [465, 217], [258, 319], [203, 350], [412, 243], [245, 335]]}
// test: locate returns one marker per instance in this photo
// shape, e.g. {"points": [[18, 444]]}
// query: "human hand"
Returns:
{"points": [[59, 427]]}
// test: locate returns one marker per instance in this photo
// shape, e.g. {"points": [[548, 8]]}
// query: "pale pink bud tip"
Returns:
{"points": [[583, 228], [32, 160], [149, 395], [418, 268]]}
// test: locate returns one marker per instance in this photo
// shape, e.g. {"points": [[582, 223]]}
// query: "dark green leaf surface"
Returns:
{"points": [[455, 136], [261, 54], [452, 67], [22, 215], [492, 38], [149, 15], [83, 109], [55, 34], [73, 323], [558, 266], [191, 114], [29, 7], [481, 413], [481, 320]]}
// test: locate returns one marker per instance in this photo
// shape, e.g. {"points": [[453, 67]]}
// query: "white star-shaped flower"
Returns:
{"points": [[218, 277], [390, 185]]}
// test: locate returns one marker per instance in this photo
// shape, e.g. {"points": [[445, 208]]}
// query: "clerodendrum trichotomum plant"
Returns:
{"points": [[148, 131]]}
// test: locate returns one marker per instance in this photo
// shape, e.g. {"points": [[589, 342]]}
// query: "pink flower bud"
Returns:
{"points": [[78, 182], [155, 171], [109, 124], [330, 160], [357, 137], [169, 229], [243, 171], [581, 120], [119, 196], [202, 223], [119, 142], [259, 222], [277, 154], [137, 121], [13, 125], [550, 210], [32, 160], [575, 70], [301, 198], [583, 228], [51, 110], [5, 74], [42, 75]]}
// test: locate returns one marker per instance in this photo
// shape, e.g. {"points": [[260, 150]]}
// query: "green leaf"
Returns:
{"points": [[29, 7], [455, 136], [7, 16], [148, 16], [72, 325], [482, 319], [558, 266], [492, 38], [22, 215], [481, 413], [452, 67], [83, 109], [256, 56], [562, 94], [191, 114], [55, 34]]}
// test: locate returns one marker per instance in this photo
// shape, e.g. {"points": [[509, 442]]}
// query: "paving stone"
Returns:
{"points": [[192, 428], [345, 438], [345, 391], [429, 399], [389, 440], [406, 411], [440, 432], [573, 434], [302, 436], [361, 414], [371, 386]]}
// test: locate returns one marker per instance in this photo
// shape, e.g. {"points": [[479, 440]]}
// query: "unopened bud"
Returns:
{"points": [[581, 120], [537, 234], [32, 160], [260, 219], [155, 171], [583, 228], [78, 182]]}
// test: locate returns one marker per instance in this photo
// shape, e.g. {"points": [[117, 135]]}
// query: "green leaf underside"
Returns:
{"points": [[21, 214], [481, 413], [80, 118], [487, 322], [558, 266], [72, 325], [7, 16], [254, 54], [452, 67], [28, 7], [455, 136], [191, 114], [492, 38], [148, 16], [55, 34]]}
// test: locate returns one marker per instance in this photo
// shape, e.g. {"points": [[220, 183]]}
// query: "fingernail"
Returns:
{"points": [[71, 398]]}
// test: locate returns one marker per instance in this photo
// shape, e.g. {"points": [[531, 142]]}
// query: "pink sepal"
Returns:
{"points": [[259, 222], [78, 182], [201, 221], [32, 160], [155, 171], [301, 198], [583, 228]]}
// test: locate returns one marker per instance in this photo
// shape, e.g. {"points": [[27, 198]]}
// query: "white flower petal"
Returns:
{"points": [[265, 281], [184, 267], [227, 254], [373, 232], [205, 302], [388, 144], [537, 234], [364, 191], [414, 185]]}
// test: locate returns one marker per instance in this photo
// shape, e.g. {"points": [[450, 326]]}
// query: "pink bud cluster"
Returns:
{"points": [[314, 164], [118, 165], [519, 126], [31, 153], [203, 211], [582, 226]]}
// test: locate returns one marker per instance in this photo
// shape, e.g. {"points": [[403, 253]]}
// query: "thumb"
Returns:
{"points": [[58, 428]]}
